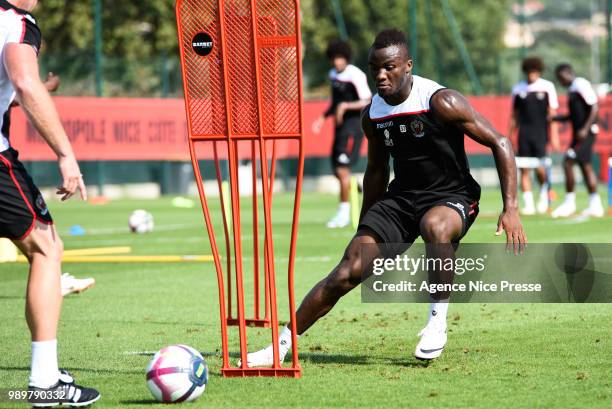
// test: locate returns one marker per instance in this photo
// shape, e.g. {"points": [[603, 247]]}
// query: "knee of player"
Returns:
{"points": [[51, 248], [345, 277], [436, 230]]}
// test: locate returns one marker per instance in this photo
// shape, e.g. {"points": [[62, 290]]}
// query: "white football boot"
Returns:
{"points": [[71, 284], [566, 209], [595, 208], [339, 221], [528, 210], [433, 340], [263, 358], [543, 203], [342, 217]]}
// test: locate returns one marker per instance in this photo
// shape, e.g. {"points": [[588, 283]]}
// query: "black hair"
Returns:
{"points": [[338, 48], [389, 37], [564, 67], [532, 64]]}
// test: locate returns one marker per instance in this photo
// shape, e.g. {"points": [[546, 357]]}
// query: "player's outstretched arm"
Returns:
{"points": [[376, 178], [450, 107], [22, 66]]}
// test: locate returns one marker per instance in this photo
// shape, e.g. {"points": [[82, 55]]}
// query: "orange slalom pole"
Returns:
{"points": [[226, 233], [298, 196], [215, 252], [266, 256], [205, 210], [266, 197], [233, 185], [255, 231]]}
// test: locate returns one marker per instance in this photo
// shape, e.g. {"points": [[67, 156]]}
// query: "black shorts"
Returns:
{"points": [[21, 203], [531, 147], [342, 153], [582, 150], [396, 217]]}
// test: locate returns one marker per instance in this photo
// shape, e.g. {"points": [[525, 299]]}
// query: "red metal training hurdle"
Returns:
{"points": [[242, 78]]}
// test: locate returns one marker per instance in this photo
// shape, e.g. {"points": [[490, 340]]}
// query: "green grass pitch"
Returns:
{"points": [[360, 355]]}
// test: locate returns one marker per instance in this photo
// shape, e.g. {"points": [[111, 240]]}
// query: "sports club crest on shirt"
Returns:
{"points": [[41, 205], [418, 129], [388, 140]]}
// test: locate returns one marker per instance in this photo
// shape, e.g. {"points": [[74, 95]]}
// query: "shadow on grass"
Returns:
{"points": [[321, 358], [142, 402], [338, 359], [145, 322], [410, 362]]}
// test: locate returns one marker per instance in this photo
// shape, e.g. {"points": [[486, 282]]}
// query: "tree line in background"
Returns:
{"points": [[141, 52]]}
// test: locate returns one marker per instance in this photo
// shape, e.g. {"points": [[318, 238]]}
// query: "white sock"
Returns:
{"points": [[344, 208], [284, 340], [594, 199], [570, 197], [544, 192], [528, 199], [44, 371], [437, 311]]}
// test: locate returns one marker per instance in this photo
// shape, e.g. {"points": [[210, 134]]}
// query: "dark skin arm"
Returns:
{"points": [[376, 178], [452, 108], [561, 118], [583, 132]]}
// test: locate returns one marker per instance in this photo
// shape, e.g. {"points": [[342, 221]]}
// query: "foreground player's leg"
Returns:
{"points": [[439, 227], [595, 207], [44, 248], [325, 294], [568, 207], [343, 215]]}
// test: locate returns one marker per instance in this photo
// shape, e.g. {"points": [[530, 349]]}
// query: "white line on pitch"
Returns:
{"points": [[139, 352]]}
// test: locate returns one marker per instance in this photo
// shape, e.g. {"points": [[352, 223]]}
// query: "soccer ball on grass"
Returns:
{"points": [[177, 373], [141, 221]]}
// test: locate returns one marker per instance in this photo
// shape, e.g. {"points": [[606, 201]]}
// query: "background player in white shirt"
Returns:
{"points": [[350, 94], [534, 101], [582, 114]]}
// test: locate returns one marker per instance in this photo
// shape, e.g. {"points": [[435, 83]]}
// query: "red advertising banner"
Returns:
{"points": [[155, 129]]}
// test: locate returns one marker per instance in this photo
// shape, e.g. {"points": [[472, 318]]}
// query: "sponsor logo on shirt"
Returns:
{"points": [[384, 125]]}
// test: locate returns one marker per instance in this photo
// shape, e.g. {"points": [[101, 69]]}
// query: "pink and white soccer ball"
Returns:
{"points": [[177, 373], [141, 221]]}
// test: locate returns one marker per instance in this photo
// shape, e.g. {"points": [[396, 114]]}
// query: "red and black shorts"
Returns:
{"points": [[21, 203]]}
